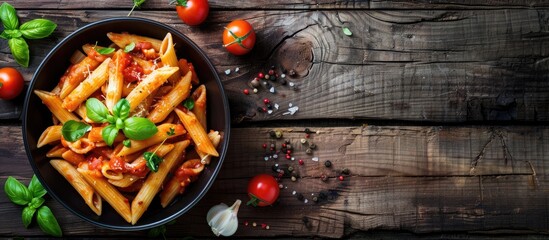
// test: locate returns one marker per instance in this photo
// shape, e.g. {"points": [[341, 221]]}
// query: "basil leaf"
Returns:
{"points": [[129, 47], [109, 133], [189, 103], [96, 110], [17, 192], [8, 16], [121, 109], [36, 188], [73, 130], [4, 35], [20, 51], [105, 51], [47, 222], [127, 143], [36, 202], [15, 33], [111, 119], [27, 215], [138, 128], [37, 28], [347, 32], [153, 160]]}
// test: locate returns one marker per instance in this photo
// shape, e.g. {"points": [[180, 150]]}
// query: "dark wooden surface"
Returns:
{"points": [[439, 108]]}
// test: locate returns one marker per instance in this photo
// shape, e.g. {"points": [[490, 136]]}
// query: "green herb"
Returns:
{"points": [[129, 47], [160, 230], [73, 130], [104, 51], [135, 128], [127, 143], [47, 222], [189, 103], [347, 32], [153, 160], [136, 4], [31, 196], [15, 34]]}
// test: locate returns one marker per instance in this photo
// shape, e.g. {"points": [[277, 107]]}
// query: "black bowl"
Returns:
{"points": [[37, 118]]}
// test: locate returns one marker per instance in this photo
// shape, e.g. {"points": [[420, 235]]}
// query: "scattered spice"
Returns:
{"points": [[255, 82], [312, 146], [340, 178], [315, 199], [267, 76], [323, 177], [260, 75], [271, 72], [255, 90], [346, 171], [315, 159], [328, 163], [309, 151], [278, 134], [266, 101], [303, 141], [246, 91], [300, 161], [291, 168], [294, 179], [254, 224], [236, 69], [264, 145], [228, 71], [300, 197]]}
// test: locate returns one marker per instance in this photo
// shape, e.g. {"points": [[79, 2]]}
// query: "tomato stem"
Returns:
{"points": [[237, 39], [1, 85], [180, 2], [253, 200]]}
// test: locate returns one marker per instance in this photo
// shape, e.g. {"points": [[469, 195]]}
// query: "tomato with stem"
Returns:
{"points": [[239, 37], [192, 12], [263, 190], [11, 83]]}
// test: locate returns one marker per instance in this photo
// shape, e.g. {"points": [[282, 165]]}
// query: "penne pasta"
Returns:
{"points": [[168, 57], [199, 110], [187, 173], [137, 145], [123, 39], [53, 102], [50, 135], [152, 185], [91, 198], [197, 133], [172, 99], [72, 157], [148, 85], [76, 74], [56, 152], [87, 87], [215, 138], [107, 191], [115, 82]]}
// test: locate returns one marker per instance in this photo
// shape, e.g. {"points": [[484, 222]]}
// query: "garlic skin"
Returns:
{"points": [[223, 219]]}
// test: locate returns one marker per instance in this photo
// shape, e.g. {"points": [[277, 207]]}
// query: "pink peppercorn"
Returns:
{"points": [[266, 101], [246, 91], [301, 162], [340, 178], [288, 156], [264, 145], [260, 75], [271, 72]]}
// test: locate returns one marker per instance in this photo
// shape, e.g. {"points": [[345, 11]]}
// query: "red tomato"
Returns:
{"points": [[263, 190], [11, 83], [239, 37], [192, 12]]}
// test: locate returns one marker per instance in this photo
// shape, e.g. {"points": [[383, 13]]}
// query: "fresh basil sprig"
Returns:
{"points": [[189, 103], [31, 196], [154, 160], [15, 34], [136, 4], [73, 130]]}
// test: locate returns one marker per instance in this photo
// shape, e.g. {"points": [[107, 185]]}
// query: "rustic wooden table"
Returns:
{"points": [[438, 109]]}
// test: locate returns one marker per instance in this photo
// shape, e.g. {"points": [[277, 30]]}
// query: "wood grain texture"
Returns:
{"points": [[443, 66], [287, 4], [414, 179]]}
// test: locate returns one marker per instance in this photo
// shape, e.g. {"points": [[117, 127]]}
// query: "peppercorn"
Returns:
{"points": [[323, 177], [272, 145], [289, 146], [284, 145], [287, 141], [307, 130], [294, 179], [266, 100], [255, 90], [264, 145], [289, 152], [272, 133], [280, 186], [309, 151], [255, 82], [272, 78], [292, 72], [340, 178], [264, 109], [328, 163], [246, 91], [278, 134], [274, 168], [346, 171], [315, 199], [300, 161], [307, 135], [269, 106], [271, 72], [288, 156], [267, 76], [259, 109], [290, 168], [300, 197], [312, 145], [303, 141], [260, 75]]}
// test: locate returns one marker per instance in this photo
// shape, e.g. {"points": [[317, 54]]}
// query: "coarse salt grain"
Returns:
{"points": [[290, 105], [315, 159], [270, 111], [236, 69], [272, 90], [306, 201], [283, 75], [276, 106], [294, 192], [228, 71], [291, 84]]}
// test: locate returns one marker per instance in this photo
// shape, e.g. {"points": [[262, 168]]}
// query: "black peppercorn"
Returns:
{"points": [[272, 134], [300, 197], [328, 163], [346, 171]]}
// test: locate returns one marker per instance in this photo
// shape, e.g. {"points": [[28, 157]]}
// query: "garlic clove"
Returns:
{"points": [[223, 219]]}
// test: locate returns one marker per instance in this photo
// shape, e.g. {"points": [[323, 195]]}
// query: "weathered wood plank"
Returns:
{"points": [[421, 65], [416, 179], [287, 4]]}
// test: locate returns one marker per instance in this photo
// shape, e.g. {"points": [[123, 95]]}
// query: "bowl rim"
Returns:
{"points": [[226, 132]]}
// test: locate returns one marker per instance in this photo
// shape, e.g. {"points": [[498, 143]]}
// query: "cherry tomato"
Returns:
{"points": [[239, 37], [263, 190], [11, 83], [192, 12]]}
